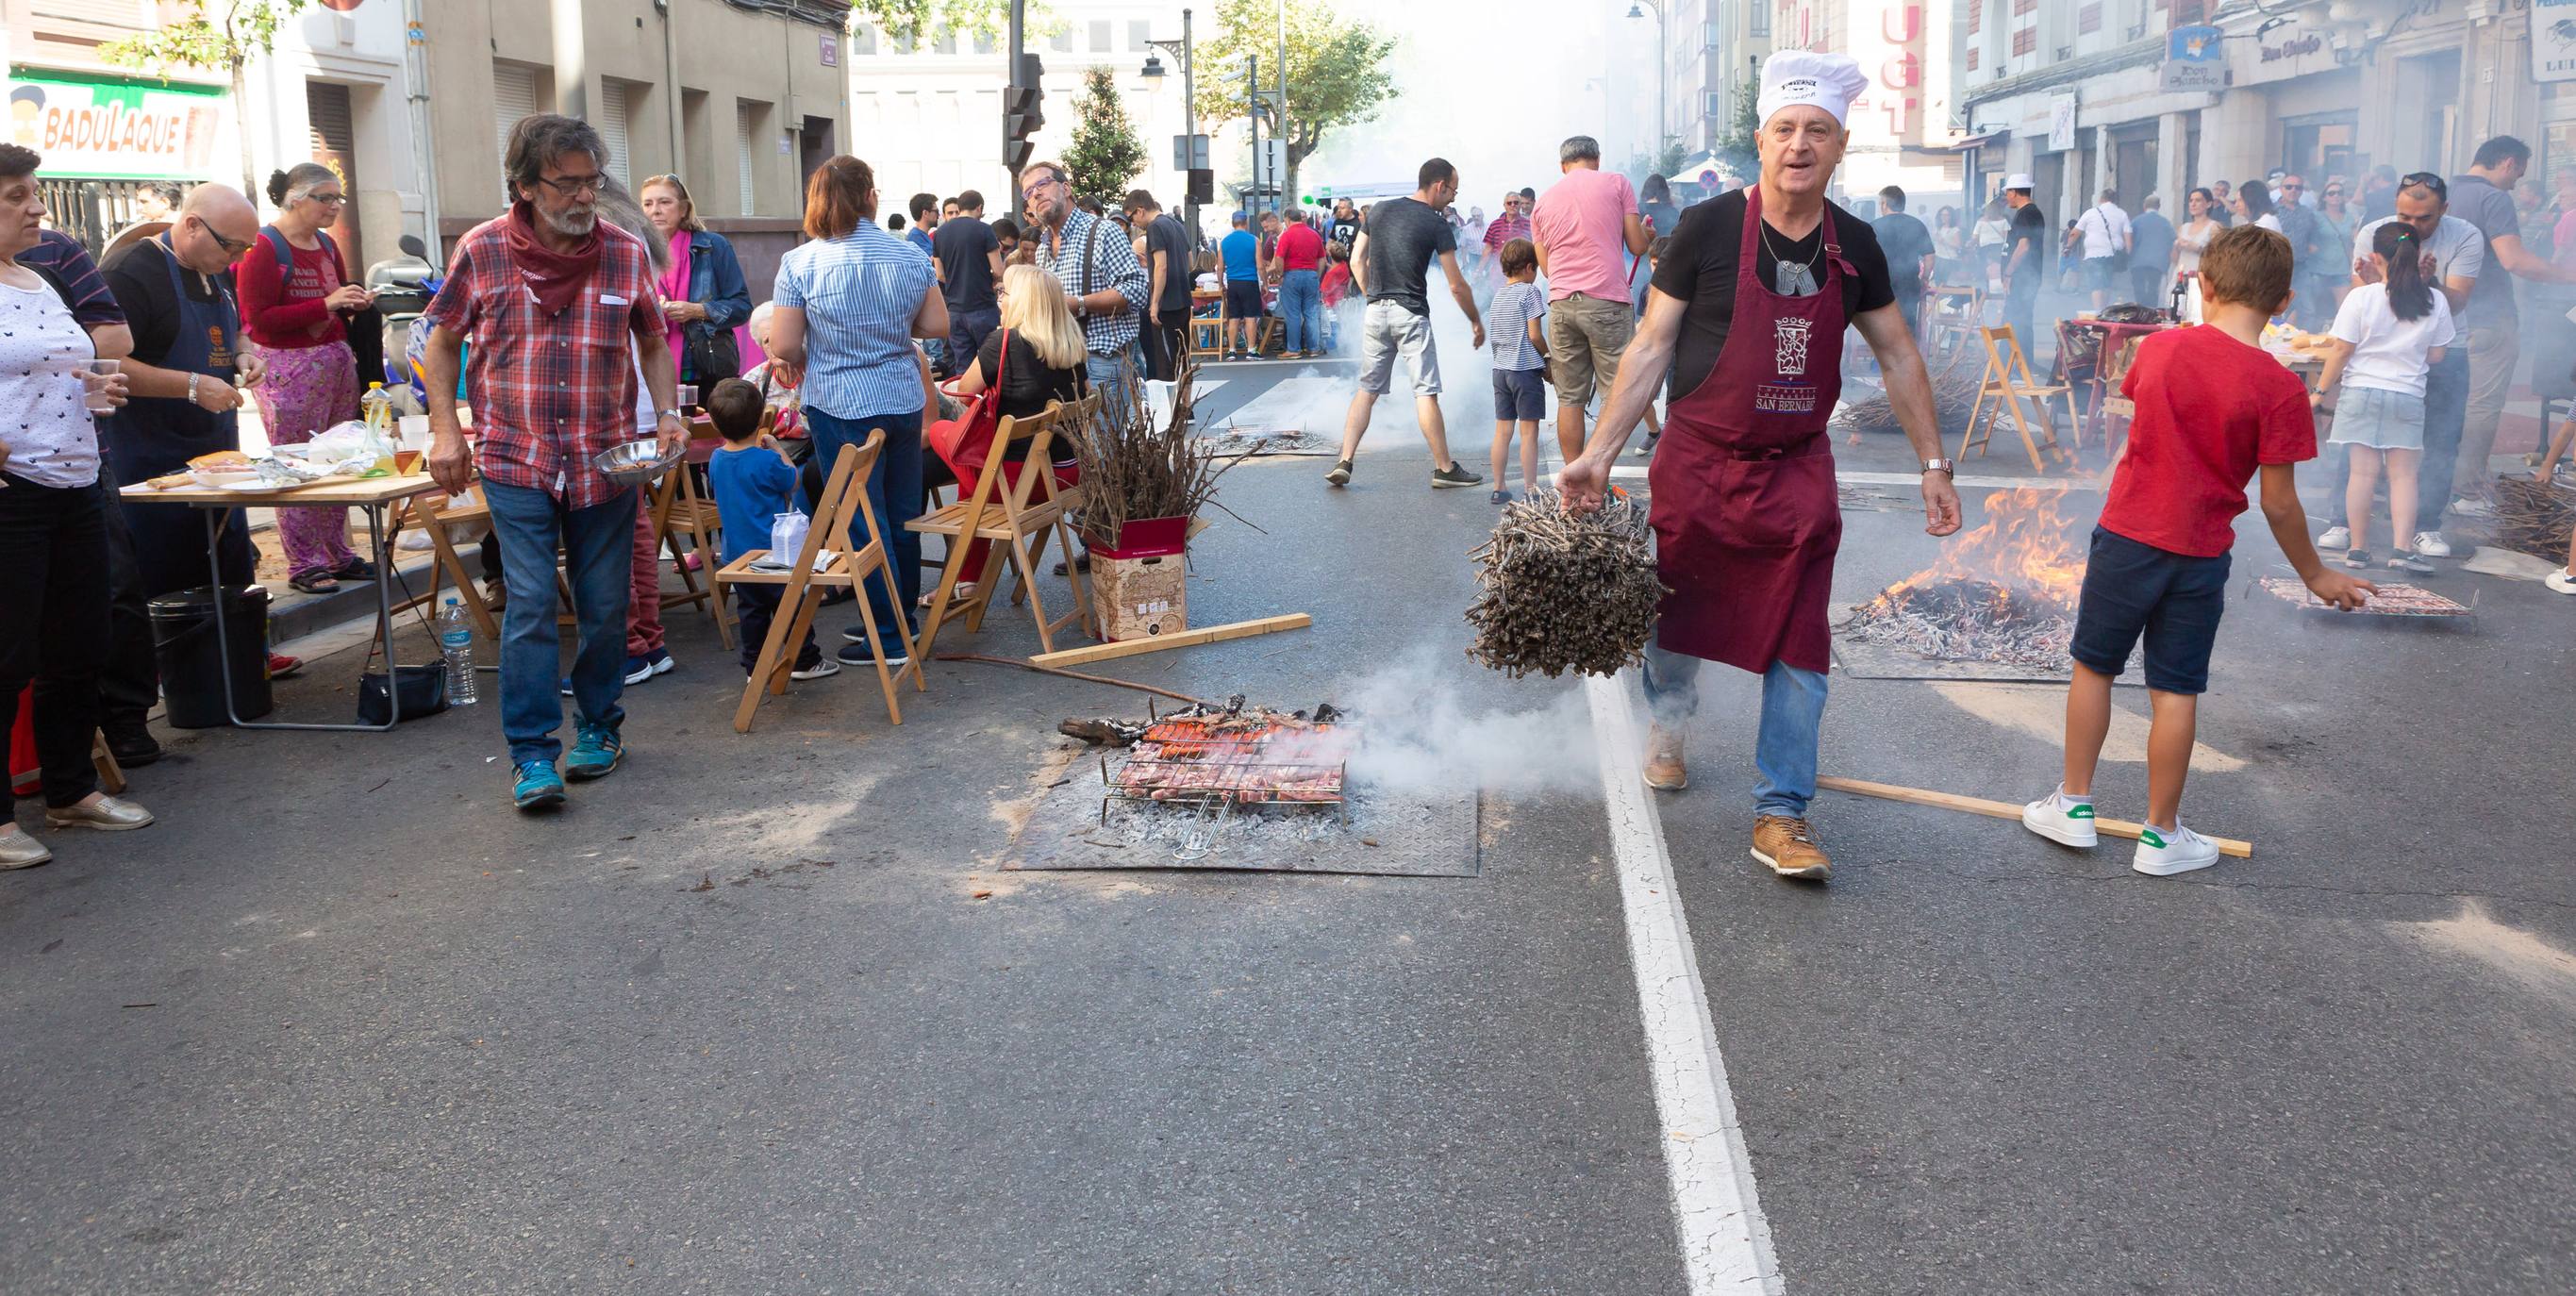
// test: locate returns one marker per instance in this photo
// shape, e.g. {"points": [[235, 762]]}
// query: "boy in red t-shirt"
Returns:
{"points": [[2213, 409]]}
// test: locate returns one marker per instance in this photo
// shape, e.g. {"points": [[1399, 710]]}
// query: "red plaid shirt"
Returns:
{"points": [[1505, 228], [549, 391]]}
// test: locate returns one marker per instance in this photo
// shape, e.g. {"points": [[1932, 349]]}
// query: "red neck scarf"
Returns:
{"points": [[555, 277]]}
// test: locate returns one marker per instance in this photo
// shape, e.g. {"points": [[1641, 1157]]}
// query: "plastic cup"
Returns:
{"points": [[95, 399], [688, 395]]}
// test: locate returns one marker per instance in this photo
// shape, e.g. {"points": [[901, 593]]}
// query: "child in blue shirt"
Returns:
{"points": [[753, 483]]}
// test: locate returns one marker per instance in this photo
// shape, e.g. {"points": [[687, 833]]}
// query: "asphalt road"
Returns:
{"points": [[760, 1013]]}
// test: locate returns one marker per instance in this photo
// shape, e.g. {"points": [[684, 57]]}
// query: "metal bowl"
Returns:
{"points": [[634, 463]]}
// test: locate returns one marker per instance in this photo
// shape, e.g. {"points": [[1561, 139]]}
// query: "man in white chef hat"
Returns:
{"points": [[1747, 314]]}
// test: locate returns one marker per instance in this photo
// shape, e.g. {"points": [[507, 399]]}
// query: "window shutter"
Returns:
{"points": [[327, 109], [514, 95], [742, 152], [611, 121]]}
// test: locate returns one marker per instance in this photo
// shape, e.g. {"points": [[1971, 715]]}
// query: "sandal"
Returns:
{"points": [[320, 582], [356, 569], [963, 593]]}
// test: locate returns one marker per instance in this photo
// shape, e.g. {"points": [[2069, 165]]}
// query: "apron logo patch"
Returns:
{"points": [[1784, 398], [1791, 357]]}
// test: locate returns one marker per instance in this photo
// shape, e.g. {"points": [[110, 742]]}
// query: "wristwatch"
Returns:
{"points": [[1941, 465]]}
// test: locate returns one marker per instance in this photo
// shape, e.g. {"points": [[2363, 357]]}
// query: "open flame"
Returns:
{"points": [[2025, 546]]}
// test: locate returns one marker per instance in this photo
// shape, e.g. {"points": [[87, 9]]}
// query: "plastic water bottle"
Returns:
{"points": [[456, 645]]}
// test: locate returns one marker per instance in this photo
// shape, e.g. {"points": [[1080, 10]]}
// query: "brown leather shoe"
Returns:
{"points": [[1664, 768], [1789, 847]]}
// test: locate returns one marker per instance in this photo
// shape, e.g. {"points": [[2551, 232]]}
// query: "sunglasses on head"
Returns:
{"points": [[2425, 180]]}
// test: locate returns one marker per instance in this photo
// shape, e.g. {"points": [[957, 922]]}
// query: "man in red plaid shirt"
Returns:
{"points": [[561, 311], [1514, 223]]}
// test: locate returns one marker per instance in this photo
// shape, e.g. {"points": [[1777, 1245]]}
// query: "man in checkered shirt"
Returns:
{"points": [[561, 309], [1097, 266]]}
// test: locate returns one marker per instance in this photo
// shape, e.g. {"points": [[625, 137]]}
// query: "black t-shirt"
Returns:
{"points": [[1404, 237], [1660, 216], [1905, 241], [139, 275], [1699, 269], [962, 247], [1169, 239], [1027, 384], [2029, 225]]}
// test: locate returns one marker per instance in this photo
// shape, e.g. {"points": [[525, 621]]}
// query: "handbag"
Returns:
{"points": [[709, 353], [422, 689], [962, 442]]}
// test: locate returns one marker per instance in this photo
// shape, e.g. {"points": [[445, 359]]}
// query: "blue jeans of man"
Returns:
{"points": [[967, 330], [1784, 747], [894, 495], [1301, 302], [1108, 375], [599, 564], [2446, 412]]}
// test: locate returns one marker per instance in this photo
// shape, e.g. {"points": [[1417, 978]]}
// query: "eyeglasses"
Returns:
{"points": [[573, 186], [230, 247], [2334, 191], [328, 200], [2291, 188], [1044, 180]]}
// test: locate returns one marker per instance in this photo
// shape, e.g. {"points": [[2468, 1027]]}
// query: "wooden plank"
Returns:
{"points": [[1184, 639], [2002, 810]]}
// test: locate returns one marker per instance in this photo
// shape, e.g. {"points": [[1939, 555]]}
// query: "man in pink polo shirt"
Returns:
{"points": [[1582, 226]]}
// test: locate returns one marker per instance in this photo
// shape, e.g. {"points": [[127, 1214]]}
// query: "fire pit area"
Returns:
{"points": [[1999, 605], [1237, 786]]}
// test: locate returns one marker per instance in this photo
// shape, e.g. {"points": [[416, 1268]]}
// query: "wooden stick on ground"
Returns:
{"points": [[1025, 665], [2001, 810], [1178, 639]]}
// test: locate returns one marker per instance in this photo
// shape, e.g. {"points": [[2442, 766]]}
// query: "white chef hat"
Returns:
{"points": [[1829, 81]]}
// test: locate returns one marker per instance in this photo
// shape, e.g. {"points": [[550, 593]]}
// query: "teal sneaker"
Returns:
{"points": [[538, 786], [595, 752]]}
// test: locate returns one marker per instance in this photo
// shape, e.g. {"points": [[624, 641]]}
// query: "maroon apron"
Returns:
{"points": [[1744, 510]]}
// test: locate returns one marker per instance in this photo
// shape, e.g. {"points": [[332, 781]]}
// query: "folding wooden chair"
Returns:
{"points": [[1012, 513], [2008, 386], [844, 493], [1956, 315], [1207, 337], [678, 509]]}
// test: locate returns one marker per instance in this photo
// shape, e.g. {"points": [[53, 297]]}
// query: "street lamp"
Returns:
{"points": [[1152, 76], [1663, 66]]}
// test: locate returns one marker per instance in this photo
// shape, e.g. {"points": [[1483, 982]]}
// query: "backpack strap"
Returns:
{"points": [[276, 241]]}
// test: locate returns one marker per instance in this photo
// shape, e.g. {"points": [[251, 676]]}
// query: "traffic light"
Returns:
{"points": [[1020, 116]]}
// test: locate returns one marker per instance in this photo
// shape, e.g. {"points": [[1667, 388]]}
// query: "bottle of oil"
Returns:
{"points": [[376, 409]]}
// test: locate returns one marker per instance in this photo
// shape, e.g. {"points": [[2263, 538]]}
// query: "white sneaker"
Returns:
{"points": [[2431, 544], [2336, 537], [2562, 580], [823, 669], [2473, 508], [2163, 855], [2063, 819]]}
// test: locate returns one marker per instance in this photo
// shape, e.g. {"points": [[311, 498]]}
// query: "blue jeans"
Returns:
{"points": [[1784, 748], [2446, 412], [967, 330], [599, 564], [1108, 374], [894, 495], [1301, 303]]}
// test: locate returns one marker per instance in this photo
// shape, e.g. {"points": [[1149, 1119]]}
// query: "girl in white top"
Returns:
{"points": [[2387, 335], [2252, 202], [2194, 236]]}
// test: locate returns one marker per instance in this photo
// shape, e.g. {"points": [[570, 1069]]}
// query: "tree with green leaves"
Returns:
{"points": [[212, 34], [912, 19], [1106, 152], [1337, 71]]}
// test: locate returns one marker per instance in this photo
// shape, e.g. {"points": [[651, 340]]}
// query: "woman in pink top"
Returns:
{"points": [[293, 286]]}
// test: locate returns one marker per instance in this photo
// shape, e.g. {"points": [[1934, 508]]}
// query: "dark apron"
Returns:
{"points": [[1744, 510], [156, 436]]}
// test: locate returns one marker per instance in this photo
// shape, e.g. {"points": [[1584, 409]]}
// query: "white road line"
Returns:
{"points": [[1287, 402], [1726, 1245]]}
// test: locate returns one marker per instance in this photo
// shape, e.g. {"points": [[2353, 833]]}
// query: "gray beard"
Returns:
{"points": [[572, 225]]}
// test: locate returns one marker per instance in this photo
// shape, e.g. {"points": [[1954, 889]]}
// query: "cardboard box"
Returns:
{"points": [[1141, 597]]}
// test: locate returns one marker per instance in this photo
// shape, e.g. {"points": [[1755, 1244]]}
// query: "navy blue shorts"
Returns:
{"points": [[1519, 396], [2174, 600], [1242, 299]]}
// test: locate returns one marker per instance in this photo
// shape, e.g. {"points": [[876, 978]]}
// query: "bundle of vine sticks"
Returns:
{"points": [[1559, 592]]}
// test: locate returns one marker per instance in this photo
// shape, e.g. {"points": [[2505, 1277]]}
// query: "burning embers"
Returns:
{"points": [[1236, 755], [2003, 593]]}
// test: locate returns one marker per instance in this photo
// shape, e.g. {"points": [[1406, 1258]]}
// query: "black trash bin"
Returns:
{"points": [[183, 641]]}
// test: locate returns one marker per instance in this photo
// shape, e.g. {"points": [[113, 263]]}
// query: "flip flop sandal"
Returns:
{"points": [[355, 569], [315, 583]]}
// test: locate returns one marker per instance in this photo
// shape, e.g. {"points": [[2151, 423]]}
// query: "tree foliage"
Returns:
{"points": [[1337, 71], [912, 19], [1106, 152], [211, 35]]}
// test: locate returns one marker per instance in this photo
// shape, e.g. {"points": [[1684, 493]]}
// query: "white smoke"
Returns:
{"points": [[1416, 736]]}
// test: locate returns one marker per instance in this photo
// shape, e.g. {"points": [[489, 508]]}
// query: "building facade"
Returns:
{"points": [[929, 113], [2077, 96], [1714, 52]]}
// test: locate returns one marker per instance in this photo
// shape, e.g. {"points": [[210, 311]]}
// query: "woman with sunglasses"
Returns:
{"points": [[294, 286]]}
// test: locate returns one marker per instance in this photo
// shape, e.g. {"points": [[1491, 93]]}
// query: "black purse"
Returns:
{"points": [[710, 354], [422, 689]]}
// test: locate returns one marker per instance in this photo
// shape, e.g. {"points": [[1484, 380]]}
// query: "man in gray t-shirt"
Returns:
{"points": [[1390, 263], [2490, 330], [2459, 257]]}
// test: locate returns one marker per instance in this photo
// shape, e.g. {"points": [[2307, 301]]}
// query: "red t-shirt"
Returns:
{"points": [[1301, 248], [283, 309], [2210, 411]]}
